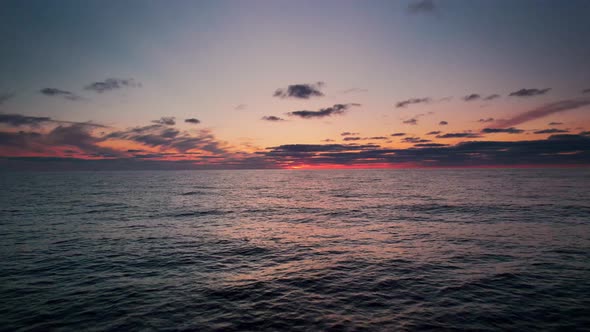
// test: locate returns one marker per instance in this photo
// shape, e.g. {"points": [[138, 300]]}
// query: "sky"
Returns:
{"points": [[219, 84]]}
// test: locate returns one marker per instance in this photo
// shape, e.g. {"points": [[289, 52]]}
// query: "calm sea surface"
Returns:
{"points": [[382, 250]]}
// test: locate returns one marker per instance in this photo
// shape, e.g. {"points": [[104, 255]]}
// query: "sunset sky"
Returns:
{"points": [[293, 84]]}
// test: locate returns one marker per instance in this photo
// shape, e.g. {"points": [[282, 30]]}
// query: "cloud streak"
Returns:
{"points": [[337, 109], [510, 130], [543, 111], [53, 92], [412, 101], [111, 84], [273, 118], [529, 92]]}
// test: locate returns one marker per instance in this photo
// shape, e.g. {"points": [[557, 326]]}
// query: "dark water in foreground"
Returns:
{"points": [[389, 250]]}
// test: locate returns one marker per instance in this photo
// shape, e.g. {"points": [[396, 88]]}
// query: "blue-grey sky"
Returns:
{"points": [[221, 61]]}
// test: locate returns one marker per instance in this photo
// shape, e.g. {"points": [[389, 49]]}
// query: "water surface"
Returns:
{"points": [[354, 250]]}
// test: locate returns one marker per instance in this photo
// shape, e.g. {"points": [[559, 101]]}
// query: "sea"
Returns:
{"points": [[296, 250]]}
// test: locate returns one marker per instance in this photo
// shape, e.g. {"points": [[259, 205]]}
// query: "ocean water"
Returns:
{"points": [[277, 250]]}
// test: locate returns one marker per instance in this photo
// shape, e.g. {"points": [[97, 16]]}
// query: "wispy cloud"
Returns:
{"points": [[458, 135], [477, 96], [486, 120], [112, 84], [542, 111], [166, 120], [337, 109], [529, 92], [355, 90], [18, 120], [272, 118], [415, 140], [164, 137], [443, 123], [551, 131], [398, 134], [510, 130], [492, 97], [53, 92], [411, 101], [472, 97]]}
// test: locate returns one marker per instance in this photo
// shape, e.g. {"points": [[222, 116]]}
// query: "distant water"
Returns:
{"points": [[383, 250]]}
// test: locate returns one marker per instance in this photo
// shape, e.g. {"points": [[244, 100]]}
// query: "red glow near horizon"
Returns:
{"points": [[351, 166]]}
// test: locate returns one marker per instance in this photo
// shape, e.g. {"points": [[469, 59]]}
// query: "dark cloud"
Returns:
{"points": [[486, 120], [458, 135], [112, 84], [443, 123], [71, 136], [586, 91], [352, 138], [164, 137], [302, 91], [556, 150], [337, 109], [166, 120], [430, 145], [53, 92], [192, 121], [492, 97], [529, 92], [398, 134], [555, 123], [551, 131], [433, 132], [472, 97], [272, 118], [17, 120], [421, 6], [476, 96], [415, 140], [4, 97], [347, 133], [411, 101], [510, 130], [412, 121], [542, 111], [306, 148], [377, 138]]}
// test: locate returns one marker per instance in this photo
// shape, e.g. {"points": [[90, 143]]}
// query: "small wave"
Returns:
{"points": [[193, 193], [201, 213]]}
